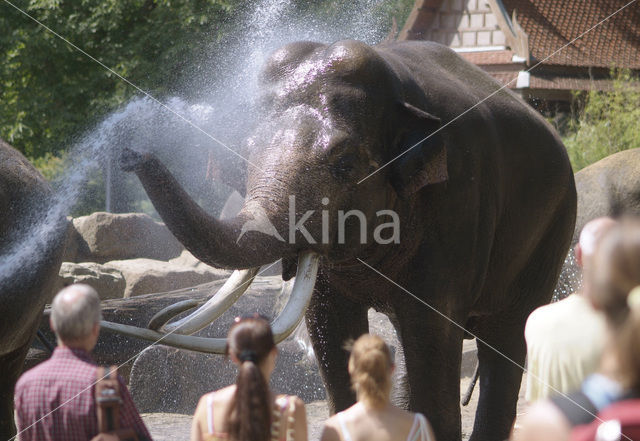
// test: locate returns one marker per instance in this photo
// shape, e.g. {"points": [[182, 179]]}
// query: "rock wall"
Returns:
{"points": [[125, 255]]}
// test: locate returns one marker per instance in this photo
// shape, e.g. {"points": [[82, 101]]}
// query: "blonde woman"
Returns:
{"points": [[373, 417], [249, 410]]}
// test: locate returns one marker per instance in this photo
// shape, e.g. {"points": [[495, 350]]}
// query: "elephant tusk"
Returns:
{"points": [[166, 314], [282, 326], [226, 296], [190, 342], [292, 313]]}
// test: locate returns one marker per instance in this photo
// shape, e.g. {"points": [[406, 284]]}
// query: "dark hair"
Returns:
{"points": [[616, 274], [249, 416]]}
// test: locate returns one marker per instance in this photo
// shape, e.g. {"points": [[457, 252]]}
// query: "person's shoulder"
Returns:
{"points": [[406, 415], [219, 396], [331, 429], [292, 399], [551, 314], [332, 421], [36, 373], [627, 411]]}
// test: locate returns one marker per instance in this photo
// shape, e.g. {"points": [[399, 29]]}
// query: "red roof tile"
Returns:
{"points": [[488, 57], [551, 24]]}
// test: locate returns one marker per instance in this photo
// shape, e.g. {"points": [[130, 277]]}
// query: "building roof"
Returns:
{"points": [[540, 30], [484, 58], [552, 24]]}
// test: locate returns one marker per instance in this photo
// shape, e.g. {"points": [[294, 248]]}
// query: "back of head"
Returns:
{"points": [[590, 234], [370, 367], [250, 340], [74, 312], [615, 281]]}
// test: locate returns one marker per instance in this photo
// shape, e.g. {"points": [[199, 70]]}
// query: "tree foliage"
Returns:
{"points": [[50, 91], [53, 93], [609, 122]]}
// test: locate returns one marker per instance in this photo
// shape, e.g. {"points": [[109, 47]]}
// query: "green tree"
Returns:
{"points": [[51, 92], [608, 123]]}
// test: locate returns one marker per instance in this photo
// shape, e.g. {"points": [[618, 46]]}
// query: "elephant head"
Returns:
{"points": [[331, 116]]}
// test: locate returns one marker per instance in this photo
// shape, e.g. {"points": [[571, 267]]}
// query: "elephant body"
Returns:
{"points": [[609, 187], [24, 286], [486, 207]]}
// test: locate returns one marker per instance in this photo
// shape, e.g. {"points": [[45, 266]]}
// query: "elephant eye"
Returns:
{"points": [[343, 167]]}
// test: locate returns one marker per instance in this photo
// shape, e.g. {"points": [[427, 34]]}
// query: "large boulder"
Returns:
{"points": [[109, 282], [188, 260], [76, 248], [145, 276], [107, 236]]}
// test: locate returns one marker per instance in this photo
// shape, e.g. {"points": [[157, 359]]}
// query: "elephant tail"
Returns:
{"points": [[467, 395]]}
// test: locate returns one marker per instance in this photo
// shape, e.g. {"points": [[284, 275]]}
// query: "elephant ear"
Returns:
{"points": [[423, 159]]}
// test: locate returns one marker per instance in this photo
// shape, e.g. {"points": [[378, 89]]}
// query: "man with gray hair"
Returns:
{"points": [[55, 400], [565, 339]]}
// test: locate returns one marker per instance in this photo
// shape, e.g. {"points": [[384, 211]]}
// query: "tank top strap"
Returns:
{"points": [[210, 425], [283, 423], [419, 431], [343, 427]]}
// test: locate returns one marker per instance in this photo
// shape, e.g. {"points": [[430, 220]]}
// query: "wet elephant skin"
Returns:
{"points": [[486, 207], [25, 287]]}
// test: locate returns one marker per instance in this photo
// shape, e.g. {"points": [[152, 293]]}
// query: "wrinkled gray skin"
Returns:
{"points": [[487, 209], [23, 291], [609, 187]]}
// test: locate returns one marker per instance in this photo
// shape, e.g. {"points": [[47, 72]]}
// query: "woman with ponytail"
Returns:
{"points": [[373, 417], [607, 407], [248, 410]]}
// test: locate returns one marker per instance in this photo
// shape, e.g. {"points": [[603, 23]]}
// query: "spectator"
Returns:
{"points": [[55, 400], [609, 402], [373, 417], [565, 339], [248, 410]]}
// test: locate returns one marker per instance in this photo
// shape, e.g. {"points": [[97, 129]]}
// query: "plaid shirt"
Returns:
{"points": [[55, 400]]}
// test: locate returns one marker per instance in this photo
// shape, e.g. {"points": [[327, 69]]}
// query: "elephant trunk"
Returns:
{"points": [[213, 241]]}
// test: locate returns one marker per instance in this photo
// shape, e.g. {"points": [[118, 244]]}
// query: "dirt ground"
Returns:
{"points": [[176, 427]]}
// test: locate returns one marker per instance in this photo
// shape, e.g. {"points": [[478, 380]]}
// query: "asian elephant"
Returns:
{"points": [[608, 187], [464, 205], [31, 246]]}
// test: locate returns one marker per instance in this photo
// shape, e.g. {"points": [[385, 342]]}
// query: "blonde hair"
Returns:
{"points": [[370, 368], [615, 274]]}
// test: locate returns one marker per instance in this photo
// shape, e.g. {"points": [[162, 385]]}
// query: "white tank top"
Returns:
{"points": [[418, 430]]}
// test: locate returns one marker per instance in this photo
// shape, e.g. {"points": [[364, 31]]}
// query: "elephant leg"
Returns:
{"points": [[501, 373], [500, 378], [332, 320], [10, 368], [433, 353]]}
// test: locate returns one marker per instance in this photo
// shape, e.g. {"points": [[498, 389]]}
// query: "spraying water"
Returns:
{"points": [[225, 110]]}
